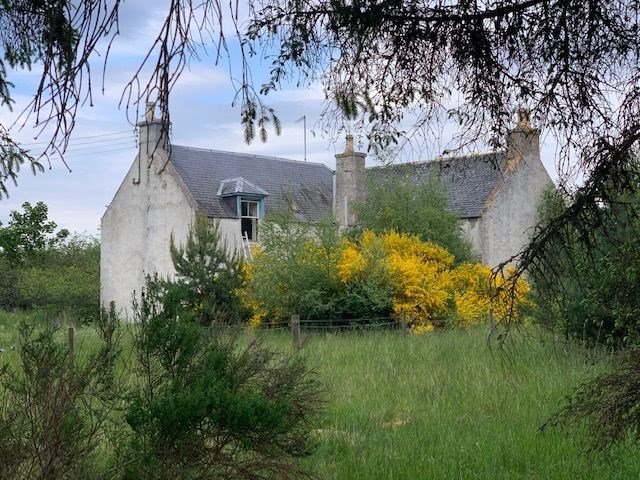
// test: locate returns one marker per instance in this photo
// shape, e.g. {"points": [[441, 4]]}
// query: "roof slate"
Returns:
{"points": [[307, 186], [468, 180]]}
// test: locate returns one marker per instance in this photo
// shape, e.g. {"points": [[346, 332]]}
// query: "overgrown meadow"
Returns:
{"points": [[438, 405], [207, 384]]}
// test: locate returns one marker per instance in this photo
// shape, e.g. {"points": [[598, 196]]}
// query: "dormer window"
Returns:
{"points": [[249, 200], [249, 216]]}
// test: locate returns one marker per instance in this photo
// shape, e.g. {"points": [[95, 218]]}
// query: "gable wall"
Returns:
{"points": [[509, 219], [472, 231], [135, 232]]}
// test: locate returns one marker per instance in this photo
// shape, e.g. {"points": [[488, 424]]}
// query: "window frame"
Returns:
{"points": [[253, 235]]}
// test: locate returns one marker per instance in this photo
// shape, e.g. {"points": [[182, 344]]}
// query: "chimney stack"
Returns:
{"points": [[349, 183], [152, 135], [523, 141]]}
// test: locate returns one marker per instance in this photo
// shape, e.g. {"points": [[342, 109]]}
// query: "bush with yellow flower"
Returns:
{"points": [[429, 291], [389, 274]]}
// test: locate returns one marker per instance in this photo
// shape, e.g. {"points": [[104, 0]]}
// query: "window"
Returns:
{"points": [[249, 219]]}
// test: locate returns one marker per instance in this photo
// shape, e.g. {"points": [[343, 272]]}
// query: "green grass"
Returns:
{"points": [[441, 406]]}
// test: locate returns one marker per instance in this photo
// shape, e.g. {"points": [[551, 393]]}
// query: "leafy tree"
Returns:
{"points": [[406, 206], [208, 276], [29, 233], [63, 280], [46, 268], [594, 297]]}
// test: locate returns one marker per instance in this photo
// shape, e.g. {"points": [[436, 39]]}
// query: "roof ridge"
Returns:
{"points": [[266, 157], [443, 158]]}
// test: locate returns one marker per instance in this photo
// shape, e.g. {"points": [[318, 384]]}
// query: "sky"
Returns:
{"points": [[103, 144]]}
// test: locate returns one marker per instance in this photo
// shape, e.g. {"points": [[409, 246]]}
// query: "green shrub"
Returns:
{"points": [[65, 279], [589, 288], [207, 407], [47, 269], [55, 406], [295, 271], [403, 205]]}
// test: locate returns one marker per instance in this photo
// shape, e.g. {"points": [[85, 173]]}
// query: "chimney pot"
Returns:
{"points": [[524, 121], [349, 144], [150, 112]]}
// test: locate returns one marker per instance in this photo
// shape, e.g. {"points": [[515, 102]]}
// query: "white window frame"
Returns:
{"points": [[254, 218]]}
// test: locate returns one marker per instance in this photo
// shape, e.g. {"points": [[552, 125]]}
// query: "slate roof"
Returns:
{"points": [[469, 180], [305, 185]]}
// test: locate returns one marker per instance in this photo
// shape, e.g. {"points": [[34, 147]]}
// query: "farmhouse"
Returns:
{"points": [[494, 194]]}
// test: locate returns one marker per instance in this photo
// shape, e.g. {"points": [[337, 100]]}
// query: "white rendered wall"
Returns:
{"points": [[135, 232], [510, 217], [472, 231]]}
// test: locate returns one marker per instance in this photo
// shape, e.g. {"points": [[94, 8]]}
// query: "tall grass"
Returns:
{"points": [[440, 406], [445, 406]]}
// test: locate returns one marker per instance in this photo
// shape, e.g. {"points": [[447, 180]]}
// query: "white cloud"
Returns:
{"points": [[202, 116]]}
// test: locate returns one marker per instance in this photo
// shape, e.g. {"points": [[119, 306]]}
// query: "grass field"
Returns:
{"points": [[440, 406]]}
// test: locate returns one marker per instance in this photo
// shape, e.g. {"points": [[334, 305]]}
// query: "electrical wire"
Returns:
{"points": [[97, 152], [81, 138]]}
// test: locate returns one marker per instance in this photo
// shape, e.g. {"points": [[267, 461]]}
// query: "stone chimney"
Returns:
{"points": [[349, 183], [152, 139], [523, 142]]}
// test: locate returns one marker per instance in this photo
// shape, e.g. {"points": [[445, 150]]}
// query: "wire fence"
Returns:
{"points": [[333, 324]]}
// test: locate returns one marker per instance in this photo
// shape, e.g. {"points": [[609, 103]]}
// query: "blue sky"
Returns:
{"points": [[103, 143]]}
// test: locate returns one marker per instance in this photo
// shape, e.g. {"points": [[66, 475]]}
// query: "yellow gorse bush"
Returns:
{"points": [[428, 290]]}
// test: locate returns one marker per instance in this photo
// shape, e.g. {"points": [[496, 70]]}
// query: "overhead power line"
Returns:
{"points": [[97, 152], [89, 150], [84, 138]]}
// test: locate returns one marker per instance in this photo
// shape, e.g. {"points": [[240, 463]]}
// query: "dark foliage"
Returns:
{"points": [[608, 406], [592, 294], [208, 407], [208, 276]]}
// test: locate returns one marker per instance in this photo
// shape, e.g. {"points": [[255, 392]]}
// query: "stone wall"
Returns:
{"points": [[349, 184]]}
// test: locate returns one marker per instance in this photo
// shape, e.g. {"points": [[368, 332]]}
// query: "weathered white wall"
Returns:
{"points": [[230, 234], [136, 228], [511, 214], [471, 228]]}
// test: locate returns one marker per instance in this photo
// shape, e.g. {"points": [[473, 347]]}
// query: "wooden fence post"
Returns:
{"points": [[404, 323], [295, 331]]}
